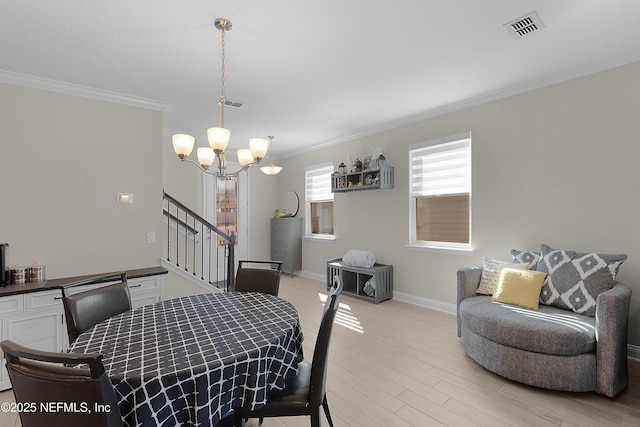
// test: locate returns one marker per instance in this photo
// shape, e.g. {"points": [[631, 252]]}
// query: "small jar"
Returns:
{"points": [[342, 169], [19, 275], [35, 273]]}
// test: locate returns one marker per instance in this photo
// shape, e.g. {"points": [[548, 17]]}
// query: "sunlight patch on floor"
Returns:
{"points": [[344, 316]]}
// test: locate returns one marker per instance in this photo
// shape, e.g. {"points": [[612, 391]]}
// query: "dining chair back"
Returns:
{"points": [[52, 394], [265, 278], [306, 392], [336, 288], [86, 309]]}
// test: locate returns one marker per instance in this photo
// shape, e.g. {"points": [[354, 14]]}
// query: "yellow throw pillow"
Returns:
{"points": [[519, 287]]}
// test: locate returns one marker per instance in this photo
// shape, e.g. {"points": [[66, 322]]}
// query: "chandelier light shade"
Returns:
{"points": [[244, 156], [219, 137], [258, 147], [206, 156], [183, 144], [271, 169]]}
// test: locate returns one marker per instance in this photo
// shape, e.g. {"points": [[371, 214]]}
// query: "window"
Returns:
{"points": [[227, 206], [319, 201], [440, 193]]}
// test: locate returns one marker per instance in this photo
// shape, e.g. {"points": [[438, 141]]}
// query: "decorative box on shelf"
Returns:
{"points": [[371, 179]]}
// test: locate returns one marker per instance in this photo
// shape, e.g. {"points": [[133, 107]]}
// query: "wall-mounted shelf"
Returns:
{"points": [[367, 180]]}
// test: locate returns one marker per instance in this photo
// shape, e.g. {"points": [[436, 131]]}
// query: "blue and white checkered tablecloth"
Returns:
{"points": [[188, 361]]}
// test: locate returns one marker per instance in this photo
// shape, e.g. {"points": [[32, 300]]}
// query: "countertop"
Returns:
{"points": [[47, 285]]}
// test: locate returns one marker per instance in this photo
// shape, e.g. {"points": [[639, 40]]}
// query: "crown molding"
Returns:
{"points": [[78, 90], [478, 100]]}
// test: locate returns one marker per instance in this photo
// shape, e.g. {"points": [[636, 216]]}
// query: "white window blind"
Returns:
{"points": [[441, 169], [318, 179], [440, 193]]}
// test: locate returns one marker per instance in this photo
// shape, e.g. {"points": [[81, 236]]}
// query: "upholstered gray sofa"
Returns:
{"points": [[550, 347]]}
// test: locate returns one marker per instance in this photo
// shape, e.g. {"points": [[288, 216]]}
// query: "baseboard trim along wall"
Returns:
{"points": [[310, 275], [189, 277], [633, 351]]}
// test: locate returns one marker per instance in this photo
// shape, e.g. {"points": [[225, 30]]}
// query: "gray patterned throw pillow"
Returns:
{"points": [[525, 257], [574, 280]]}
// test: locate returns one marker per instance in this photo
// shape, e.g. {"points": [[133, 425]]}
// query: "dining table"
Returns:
{"points": [[190, 360]]}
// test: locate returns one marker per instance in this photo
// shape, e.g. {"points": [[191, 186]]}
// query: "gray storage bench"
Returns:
{"points": [[354, 280]]}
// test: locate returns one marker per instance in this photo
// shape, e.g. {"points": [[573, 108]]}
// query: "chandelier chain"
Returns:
{"points": [[222, 73]]}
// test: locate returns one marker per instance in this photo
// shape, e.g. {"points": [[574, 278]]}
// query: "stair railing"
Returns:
{"points": [[197, 246]]}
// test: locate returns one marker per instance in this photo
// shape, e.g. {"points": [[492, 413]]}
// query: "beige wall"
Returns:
{"points": [[63, 159], [179, 179], [556, 165], [264, 199]]}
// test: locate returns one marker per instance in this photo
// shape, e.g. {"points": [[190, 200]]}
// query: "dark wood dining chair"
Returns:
{"points": [[306, 392], [86, 309], [51, 394], [265, 278]]}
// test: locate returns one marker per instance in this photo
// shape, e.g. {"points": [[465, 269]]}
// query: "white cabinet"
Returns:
{"points": [[34, 319], [145, 290], [11, 304]]}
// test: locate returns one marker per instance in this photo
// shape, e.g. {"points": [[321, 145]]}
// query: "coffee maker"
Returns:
{"points": [[4, 273]]}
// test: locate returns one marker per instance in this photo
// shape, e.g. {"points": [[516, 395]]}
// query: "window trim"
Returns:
{"points": [[307, 221], [445, 247]]}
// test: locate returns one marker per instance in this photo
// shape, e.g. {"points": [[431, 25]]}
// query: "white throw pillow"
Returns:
{"points": [[491, 274]]}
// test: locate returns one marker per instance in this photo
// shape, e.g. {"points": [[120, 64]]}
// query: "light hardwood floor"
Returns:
{"points": [[395, 364]]}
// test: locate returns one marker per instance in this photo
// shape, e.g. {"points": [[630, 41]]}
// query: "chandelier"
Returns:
{"points": [[219, 136], [271, 169]]}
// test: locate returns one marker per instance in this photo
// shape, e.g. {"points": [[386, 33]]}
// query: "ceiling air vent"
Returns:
{"points": [[524, 25], [234, 104]]}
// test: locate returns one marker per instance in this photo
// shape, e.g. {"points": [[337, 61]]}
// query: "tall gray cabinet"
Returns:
{"points": [[286, 243]]}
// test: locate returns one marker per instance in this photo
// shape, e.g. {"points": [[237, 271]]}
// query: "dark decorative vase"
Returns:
{"points": [[4, 274]]}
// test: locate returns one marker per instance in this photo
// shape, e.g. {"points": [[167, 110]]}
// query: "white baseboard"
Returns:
{"points": [[444, 307], [633, 351], [313, 276], [432, 304], [188, 276]]}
